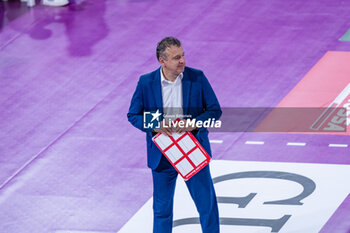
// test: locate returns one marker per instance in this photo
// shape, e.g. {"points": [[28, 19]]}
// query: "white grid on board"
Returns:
{"points": [[197, 157], [184, 167]]}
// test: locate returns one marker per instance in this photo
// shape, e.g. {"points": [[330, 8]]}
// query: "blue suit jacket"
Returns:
{"points": [[199, 101]]}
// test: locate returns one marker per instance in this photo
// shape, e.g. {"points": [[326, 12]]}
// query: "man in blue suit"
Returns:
{"points": [[176, 87]]}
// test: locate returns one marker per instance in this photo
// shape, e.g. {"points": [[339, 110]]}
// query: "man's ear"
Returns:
{"points": [[161, 61]]}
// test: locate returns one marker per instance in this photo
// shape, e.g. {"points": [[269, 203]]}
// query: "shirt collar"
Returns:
{"points": [[163, 80]]}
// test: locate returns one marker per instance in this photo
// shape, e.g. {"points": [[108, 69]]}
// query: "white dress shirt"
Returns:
{"points": [[172, 97]]}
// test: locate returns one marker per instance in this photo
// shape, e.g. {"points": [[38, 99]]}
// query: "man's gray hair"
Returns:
{"points": [[166, 43]]}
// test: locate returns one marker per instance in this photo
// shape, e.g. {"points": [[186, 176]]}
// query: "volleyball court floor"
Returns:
{"points": [[71, 163]]}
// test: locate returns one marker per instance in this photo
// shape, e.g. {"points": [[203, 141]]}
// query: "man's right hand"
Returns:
{"points": [[165, 128]]}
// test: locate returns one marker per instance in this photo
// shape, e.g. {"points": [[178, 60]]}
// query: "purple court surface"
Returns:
{"points": [[70, 162]]}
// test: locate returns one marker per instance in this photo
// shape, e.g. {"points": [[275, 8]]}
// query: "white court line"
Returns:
{"points": [[296, 144], [254, 142], [288, 143], [216, 141], [338, 145]]}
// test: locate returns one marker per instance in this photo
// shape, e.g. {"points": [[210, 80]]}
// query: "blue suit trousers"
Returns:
{"points": [[202, 192]]}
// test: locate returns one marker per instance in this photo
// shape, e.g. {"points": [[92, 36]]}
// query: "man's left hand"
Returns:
{"points": [[179, 129]]}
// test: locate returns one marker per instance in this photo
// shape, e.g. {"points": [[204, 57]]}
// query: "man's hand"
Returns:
{"points": [[179, 129], [165, 128]]}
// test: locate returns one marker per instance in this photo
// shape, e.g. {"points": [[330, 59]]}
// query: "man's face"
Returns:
{"points": [[175, 60]]}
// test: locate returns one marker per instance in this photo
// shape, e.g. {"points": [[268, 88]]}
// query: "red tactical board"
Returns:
{"points": [[184, 152]]}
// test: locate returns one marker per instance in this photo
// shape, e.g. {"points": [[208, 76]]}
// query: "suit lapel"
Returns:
{"points": [[186, 91], [157, 91]]}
